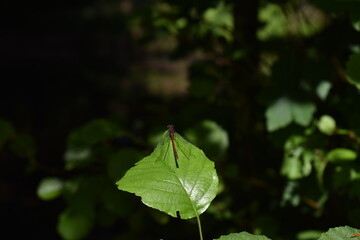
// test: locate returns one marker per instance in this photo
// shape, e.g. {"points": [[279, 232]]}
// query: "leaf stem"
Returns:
{"points": [[199, 225]]}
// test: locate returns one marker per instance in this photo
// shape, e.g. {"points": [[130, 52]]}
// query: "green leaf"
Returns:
{"points": [[308, 235], [284, 111], [76, 221], [275, 22], [327, 125], [6, 131], [92, 133], [339, 233], [297, 161], [219, 20], [210, 136], [75, 157], [243, 236], [303, 112], [23, 145], [338, 155], [353, 70], [323, 89], [117, 202], [121, 161], [50, 188], [188, 189], [278, 115]]}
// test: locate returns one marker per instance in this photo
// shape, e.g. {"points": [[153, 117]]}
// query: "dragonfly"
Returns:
{"points": [[355, 235], [172, 136]]}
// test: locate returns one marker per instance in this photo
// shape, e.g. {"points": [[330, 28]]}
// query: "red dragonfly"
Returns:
{"points": [[355, 235], [172, 136]]}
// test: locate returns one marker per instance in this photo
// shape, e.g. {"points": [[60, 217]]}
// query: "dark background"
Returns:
{"points": [[65, 64]]}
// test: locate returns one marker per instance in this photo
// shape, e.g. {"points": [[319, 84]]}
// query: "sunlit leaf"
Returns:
{"points": [[278, 115], [75, 157], [323, 89], [275, 22], [327, 124], [50, 188], [210, 136], [284, 111], [339, 155], [219, 20], [339, 233], [292, 166], [188, 189], [303, 112], [242, 236]]}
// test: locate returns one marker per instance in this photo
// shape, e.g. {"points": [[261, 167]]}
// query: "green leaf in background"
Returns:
{"points": [[76, 221], [327, 124], [188, 189], [339, 155], [6, 131], [339, 233], [275, 22], [209, 136], [356, 25], [284, 111], [117, 202], [353, 70], [50, 188], [290, 194], [303, 112], [278, 115], [219, 20], [121, 161], [23, 145], [75, 157], [242, 236], [93, 132], [322, 90], [292, 165], [308, 235]]}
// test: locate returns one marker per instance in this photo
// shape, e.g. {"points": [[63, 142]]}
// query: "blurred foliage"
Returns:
{"points": [[269, 89]]}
